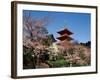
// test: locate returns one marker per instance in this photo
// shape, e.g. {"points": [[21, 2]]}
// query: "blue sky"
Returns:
{"points": [[78, 23]]}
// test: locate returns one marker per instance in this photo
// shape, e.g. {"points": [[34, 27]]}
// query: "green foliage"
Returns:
{"points": [[71, 51], [59, 63], [44, 30], [47, 41], [81, 54], [87, 44], [77, 64], [28, 62], [60, 57]]}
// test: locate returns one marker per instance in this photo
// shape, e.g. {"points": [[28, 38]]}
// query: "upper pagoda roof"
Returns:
{"points": [[65, 31]]}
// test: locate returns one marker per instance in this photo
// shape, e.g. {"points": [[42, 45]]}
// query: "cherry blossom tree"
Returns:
{"points": [[34, 29]]}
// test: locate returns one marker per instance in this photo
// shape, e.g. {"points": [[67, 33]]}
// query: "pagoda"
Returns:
{"points": [[65, 37]]}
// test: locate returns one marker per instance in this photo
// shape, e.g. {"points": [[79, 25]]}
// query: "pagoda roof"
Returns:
{"points": [[52, 37], [64, 37], [65, 31]]}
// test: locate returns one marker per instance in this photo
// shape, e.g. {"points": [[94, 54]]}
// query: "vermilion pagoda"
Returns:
{"points": [[65, 39]]}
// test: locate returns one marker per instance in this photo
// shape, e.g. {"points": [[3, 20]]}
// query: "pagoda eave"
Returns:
{"points": [[64, 38], [65, 31]]}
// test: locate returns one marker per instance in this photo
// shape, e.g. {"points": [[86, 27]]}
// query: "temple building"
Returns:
{"points": [[65, 38]]}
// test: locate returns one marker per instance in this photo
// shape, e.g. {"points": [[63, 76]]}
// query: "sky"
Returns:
{"points": [[78, 23]]}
